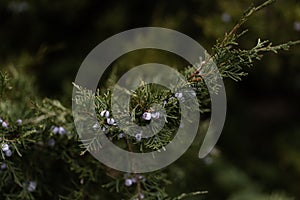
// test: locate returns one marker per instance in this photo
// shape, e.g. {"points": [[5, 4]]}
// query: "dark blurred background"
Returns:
{"points": [[259, 151]]}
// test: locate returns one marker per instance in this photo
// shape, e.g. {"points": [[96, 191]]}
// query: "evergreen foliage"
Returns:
{"points": [[40, 145]]}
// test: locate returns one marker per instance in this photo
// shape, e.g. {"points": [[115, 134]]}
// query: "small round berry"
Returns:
{"points": [[142, 178], [19, 122], [82, 181], [61, 130], [178, 95], [96, 126], [128, 182], [3, 166], [110, 121], [51, 142], [208, 160], [107, 114], [55, 130], [164, 103], [138, 137], [142, 196], [104, 113], [226, 17], [133, 180], [103, 128], [155, 115], [8, 153], [147, 116], [4, 124], [5, 147], [121, 135], [297, 26], [181, 125], [31, 186]]}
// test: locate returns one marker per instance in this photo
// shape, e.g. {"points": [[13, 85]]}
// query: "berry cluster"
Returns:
{"points": [[58, 130], [5, 146], [30, 186], [109, 121], [129, 181]]}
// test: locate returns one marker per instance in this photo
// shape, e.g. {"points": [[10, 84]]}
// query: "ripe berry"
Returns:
{"points": [[19, 122], [3, 166], [96, 126], [55, 130], [4, 124], [110, 121], [178, 95], [51, 142], [128, 182], [5, 147], [155, 115], [121, 135], [8, 153], [31, 186], [138, 137], [104, 113], [147, 116]]}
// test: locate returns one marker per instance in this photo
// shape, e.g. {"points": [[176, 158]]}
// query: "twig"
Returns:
{"points": [[285, 46], [184, 195], [244, 18], [138, 183]]}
